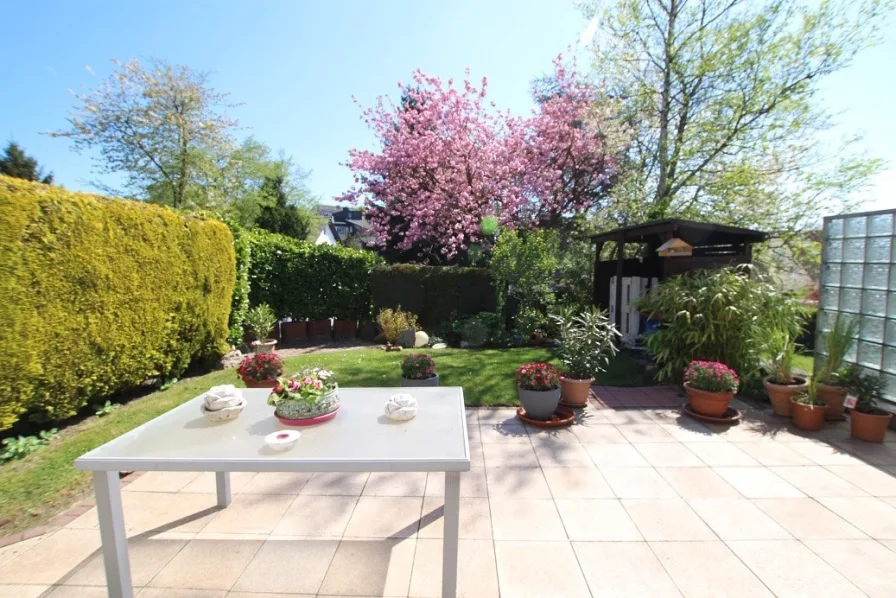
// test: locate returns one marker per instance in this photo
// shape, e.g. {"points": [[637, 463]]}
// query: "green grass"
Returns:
{"points": [[803, 362], [38, 486]]}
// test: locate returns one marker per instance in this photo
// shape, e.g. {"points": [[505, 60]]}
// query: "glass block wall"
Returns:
{"points": [[858, 279]]}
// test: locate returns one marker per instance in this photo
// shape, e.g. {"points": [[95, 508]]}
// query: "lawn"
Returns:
{"points": [[35, 488]]}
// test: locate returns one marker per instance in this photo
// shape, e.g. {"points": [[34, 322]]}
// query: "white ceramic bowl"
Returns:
{"points": [[282, 440], [223, 415]]}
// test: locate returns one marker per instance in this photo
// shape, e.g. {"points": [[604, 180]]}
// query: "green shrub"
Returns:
{"points": [[393, 322], [99, 294], [239, 302]]}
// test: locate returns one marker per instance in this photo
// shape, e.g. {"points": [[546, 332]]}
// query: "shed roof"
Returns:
{"points": [[695, 233]]}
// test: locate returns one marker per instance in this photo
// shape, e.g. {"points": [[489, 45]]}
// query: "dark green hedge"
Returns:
{"points": [[99, 294], [434, 293], [303, 280]]}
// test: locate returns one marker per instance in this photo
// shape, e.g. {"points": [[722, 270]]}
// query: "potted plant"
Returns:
{"points": [[309, 397], [261, 320], [538, 386], [260, 370], [867, 421], [418, 369], [710, 386], [832, 388], [588, 341], [808, 410], [782, 385]]}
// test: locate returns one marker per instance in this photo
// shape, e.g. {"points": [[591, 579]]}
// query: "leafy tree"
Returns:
{"points": [[16, 163], [281, 217]]}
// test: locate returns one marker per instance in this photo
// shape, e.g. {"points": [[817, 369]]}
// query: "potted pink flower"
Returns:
{"points": [[710, 386], [538, 386], [418, 369], [260, 370]]}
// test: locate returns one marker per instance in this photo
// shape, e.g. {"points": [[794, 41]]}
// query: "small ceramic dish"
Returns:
{"points": [[223, 415], [282, 440]]}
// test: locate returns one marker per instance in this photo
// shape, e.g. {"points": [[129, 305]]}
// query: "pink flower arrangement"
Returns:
{"points": [[260, 367], [418, 366], [307, 386], [537, 376], [711, 376]]}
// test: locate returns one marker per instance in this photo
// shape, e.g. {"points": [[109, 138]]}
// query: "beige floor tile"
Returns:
{"points": [[8, 553], [473, 434], [499, 416], [395, 483], [668, 454], [336, 484], [616, 455], [516, 482], [869, 452], [147, 557], [870, 479], [597, 520], [623, 570], [472, 416], [773, 453], [577, 482], [758, 482], [737, 519], [503, 433], [250, 514], [697, 482], [717, 454], [475, 521], [667, 520], [645, 433], [172, 593], [605, 434], [267, 595], [686, 563], [509, 455], [565, 435], [276, 483], [669, 416], [628, 416], [165, 511], [561, 454], [807, 519], [472, 483], [525, 519], [637, 482], [477, 457], [789, 569], [316, 516], [871, 515], [76, 592], [522, 568], [161, 481], [384, 517], [816, 481], [22, 591], [476, 572], [891, 544], [370, 568], [205, 482], [50, 560], [207, 565], [592, 417], [307, 561], [691, 431], [825, 454], [865, 563]]}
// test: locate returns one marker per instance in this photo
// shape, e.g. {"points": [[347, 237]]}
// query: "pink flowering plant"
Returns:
{"points": [[538, 376], [260, 367], [711, 376], [308, 386], [418, 366]]}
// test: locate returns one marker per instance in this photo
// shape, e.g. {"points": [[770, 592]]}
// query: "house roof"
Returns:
{"points": [[697, 234]]}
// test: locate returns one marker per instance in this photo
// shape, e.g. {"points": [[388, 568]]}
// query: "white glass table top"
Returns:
{"points": [[359, 438]]}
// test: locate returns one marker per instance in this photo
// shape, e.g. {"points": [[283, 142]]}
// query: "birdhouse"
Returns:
{"points": [[675, 248]]}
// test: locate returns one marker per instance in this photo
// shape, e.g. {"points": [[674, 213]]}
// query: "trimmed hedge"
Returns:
{"points": [[99, 294], [303, 280], [434, 293]]}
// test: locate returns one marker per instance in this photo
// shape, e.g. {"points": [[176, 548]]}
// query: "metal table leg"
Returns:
{"points": [[449, 542], [112, 531], [222, 484]]}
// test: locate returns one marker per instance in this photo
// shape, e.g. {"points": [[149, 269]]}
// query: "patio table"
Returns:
{"points": [[359, 439]]}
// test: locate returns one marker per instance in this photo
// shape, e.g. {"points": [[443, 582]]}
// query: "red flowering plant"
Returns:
{"points": [[711, 376], [260, 367], [538, 376], [418, 366]]}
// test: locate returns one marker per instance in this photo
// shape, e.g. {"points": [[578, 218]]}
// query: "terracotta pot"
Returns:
{"points": [[319, 328], [413, 382], [869, 427], [713, 404], [260, 383], [780, 394], [832, 397], [345, 329], [264, 346], [294, 331], [539, 404], [807, 417], [574, 391]]}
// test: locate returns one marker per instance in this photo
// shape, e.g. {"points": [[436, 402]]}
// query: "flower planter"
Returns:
{"points": [[260, 383], [807, 417], [870, 427], [539, 404], [294, 331], [345, 329], [780, 394], [303, 413], [264, 346], [832, 397], [713, 404], [412, 382], [575, 392], [319, 328]]}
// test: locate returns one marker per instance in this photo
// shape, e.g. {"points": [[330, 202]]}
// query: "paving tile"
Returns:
{"points": [[807, 519], [263, 595], [668, 519], [509, 455], [668, 454], [516, 482], [866, 563], [616, 455], [498, 416], [758, 482], [686, 563], [637, 482], [475, 521], [336, 484], [522, 567], [872, 453], [472, 416], [384, 517], [472, 483], [477, 457], [503, 433], [395, 483], [561, 454], [207, 565], [599, 435], [275, 483], [562, 435], [870, 479], [532, 519], [50, 560], [307, 561], [697, 482], [871, 515], [476, 571], [629, 416], [825, 454], [718, 454], [816, 481], [205, 482], [76, 592], [147, 556], [182, 593], [316, 516], [623, 570], [737, 519], [773, 453], [691, 431], [250, 514], [8, 553], [645, 433], [370, 568], [577, 482], [22, 591], [473, 434], [789, 569], [160, 511], [597, 520], [161, 481]]}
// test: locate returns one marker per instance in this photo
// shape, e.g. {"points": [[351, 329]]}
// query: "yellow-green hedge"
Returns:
{"points": [[99, 294]]}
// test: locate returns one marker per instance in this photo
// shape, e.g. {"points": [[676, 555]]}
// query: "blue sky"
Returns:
{"points": [[294, 66]]}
